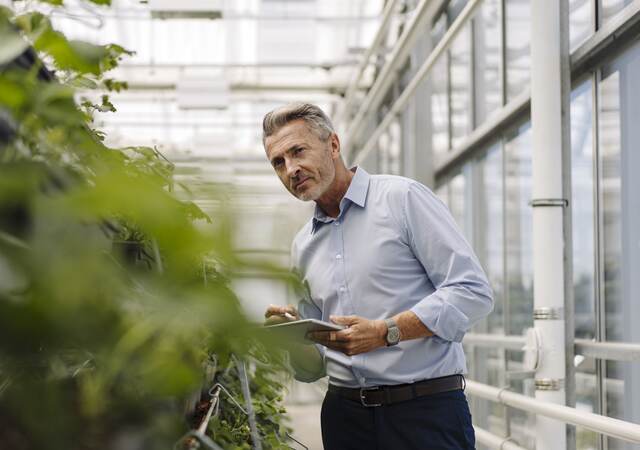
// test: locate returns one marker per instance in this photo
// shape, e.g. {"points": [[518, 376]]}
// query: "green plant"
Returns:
{"points": [[95, 350]]}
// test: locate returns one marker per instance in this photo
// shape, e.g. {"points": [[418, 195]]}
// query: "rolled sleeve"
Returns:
{"points": [[462, 293]]}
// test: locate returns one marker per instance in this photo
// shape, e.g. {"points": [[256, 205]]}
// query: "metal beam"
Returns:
{"points": [[144, 14], [337, 89], [366, 59], [327, 65], [388, 74], [425, 69], [619, 31], [623, 29], [513, 112]]}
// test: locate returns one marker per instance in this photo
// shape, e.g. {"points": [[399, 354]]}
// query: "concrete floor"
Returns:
{"points": [[303, 409], [305, 421]]}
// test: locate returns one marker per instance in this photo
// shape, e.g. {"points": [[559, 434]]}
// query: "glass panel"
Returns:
{"points": [[443, 193], [440, 96], [489, 369], [389, 145], [518, 36], [580, 21], [457, 187], [460, 57], [487, 60], [490, 243], [455, 8], [620, 164], [522, 423], [518, 231], [609, 8], [519, 269], [586, 399], [622, 387], [582, 209], [586, 439]]}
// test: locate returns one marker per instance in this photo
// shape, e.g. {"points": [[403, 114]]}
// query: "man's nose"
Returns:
{"points": [[292, 169]]}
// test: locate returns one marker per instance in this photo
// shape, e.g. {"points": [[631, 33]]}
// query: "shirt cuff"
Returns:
{"points": [[308, 376], [442, 318]]}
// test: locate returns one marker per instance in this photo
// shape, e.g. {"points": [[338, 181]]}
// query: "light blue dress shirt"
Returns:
{"points": [[393, 247]]}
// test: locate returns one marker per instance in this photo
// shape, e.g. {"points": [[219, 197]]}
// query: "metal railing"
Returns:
{"points": [[495, 442], [612, 351], [609, 426]]}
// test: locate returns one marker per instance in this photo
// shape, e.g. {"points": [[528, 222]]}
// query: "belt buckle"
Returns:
{"points": [[363, 398]]}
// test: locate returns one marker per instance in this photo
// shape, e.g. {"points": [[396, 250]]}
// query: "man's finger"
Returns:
{"points": [[274, 310], [324, 337], [344, 320], [271, 310]]}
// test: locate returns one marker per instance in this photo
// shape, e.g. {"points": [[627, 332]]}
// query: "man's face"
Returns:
{"points": [[304, 163]]}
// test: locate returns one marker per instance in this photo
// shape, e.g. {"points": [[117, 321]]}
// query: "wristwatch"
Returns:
{"points": [[393, 332]]}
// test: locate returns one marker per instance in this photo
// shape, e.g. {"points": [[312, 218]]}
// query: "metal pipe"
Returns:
{"points": [[385, 79], [547, 123], [615, 428], [616, 351], [494, 340], [251, 415], [611, 351], [424, 70], [364, 62], [495, 442]]}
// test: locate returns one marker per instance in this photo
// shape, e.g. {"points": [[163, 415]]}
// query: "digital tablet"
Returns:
{"points": [[298, 329]]}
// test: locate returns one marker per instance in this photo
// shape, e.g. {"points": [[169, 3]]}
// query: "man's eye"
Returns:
{"points": [[277, 163], [298, 150]]}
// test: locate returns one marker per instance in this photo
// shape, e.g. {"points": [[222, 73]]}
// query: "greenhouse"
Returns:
{"points": [[320, 224]]}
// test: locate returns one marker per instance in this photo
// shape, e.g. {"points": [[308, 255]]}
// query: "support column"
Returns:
{"points": [[549, 116]]}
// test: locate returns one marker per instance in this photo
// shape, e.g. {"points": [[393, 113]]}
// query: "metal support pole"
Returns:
{"points": [[246, 392], [547, 109]]}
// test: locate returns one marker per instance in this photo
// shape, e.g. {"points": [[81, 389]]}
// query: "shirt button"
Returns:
{"points": [[336, 223], [338, 256], [342, 288]]}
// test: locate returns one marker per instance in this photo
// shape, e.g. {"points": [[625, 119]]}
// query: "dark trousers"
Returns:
{"points": [[433, 422]]}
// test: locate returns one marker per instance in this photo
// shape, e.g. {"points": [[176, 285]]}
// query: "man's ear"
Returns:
{"points": [[335, 145]]}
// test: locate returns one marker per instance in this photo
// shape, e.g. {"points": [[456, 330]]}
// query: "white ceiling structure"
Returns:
{"points": [[206, 71], [267, 52], [204, 74]]}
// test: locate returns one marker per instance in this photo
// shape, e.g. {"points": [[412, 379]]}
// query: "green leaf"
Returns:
{"points": [[71, 55], [89, 53], [11, 45], [12, 94], [53, 2], [33, 24], [55, 104], [82, 82]]}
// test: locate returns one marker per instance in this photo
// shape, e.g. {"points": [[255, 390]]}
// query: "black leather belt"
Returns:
{"points": [[386, 395]]}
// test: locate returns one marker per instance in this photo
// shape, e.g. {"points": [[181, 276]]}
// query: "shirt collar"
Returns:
{"points": [[356, 193]]}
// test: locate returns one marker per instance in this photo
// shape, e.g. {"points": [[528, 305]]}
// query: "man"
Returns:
{"points": [[383, 257]]}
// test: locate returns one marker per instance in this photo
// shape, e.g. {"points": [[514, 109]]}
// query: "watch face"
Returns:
{"points": [[393, 336]]}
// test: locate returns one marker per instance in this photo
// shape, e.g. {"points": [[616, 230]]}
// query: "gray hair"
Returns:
{"points": [[315, 118]]}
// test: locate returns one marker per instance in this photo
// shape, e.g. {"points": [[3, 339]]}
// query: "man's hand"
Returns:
{"points": [[361, 336], [280, 314]]}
